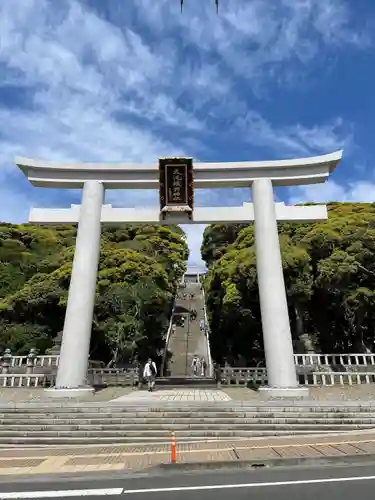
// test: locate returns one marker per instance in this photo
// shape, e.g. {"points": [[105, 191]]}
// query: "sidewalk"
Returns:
{"points": [[77, 459], [356, 394]]}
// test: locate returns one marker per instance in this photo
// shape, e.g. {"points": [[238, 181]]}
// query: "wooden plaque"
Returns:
{"points": [[176, 184]]}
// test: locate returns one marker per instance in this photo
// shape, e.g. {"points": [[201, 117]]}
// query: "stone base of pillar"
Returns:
{"points": [[285, 392], [75, 392]]}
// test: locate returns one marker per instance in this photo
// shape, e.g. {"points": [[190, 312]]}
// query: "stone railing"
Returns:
{"points": [[312, 369], [208, 333], [44, 360], [258, 376], [25, 380], [337, 378], [254, 377], [106, 377], [243, 376], [97, 377], [169, 331], [32, 362], [349, 360]]}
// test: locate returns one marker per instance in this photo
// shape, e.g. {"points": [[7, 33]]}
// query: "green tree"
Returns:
{"points": [[140, 266], [329, 271]]}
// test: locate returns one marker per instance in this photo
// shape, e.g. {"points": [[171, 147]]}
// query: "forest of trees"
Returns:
{"points": [[329, 270], [139, 270]]}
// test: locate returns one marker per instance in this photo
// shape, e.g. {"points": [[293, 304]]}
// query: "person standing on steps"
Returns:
{"points": [[149, 373], [203, 366], [195, 365]]}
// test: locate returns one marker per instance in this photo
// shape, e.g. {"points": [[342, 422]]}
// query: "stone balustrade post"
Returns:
{"points": [[140, 376], [30, 361], [6, 361], [217, 371]]}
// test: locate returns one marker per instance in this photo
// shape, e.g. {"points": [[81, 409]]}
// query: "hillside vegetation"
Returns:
{"points": [[329, 270], [138, 274]]}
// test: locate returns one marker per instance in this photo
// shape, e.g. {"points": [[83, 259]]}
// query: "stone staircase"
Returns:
{"points": [[188, 339], [100, 423], [186, 382]]}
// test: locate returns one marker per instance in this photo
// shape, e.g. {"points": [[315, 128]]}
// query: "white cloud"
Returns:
{"points": [[194, 235], [13, 207], [333, 21], [356, 191], [253, 36], [296, 139], [94, 90]]}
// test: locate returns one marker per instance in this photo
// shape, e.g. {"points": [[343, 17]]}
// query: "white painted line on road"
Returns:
{"points": [[121, 491], [248, 485], [61, 494]]}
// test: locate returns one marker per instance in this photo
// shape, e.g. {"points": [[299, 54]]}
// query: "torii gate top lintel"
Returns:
{"points": [[310, 170]]}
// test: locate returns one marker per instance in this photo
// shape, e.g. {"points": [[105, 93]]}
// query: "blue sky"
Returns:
{"points": [[133, 80]]}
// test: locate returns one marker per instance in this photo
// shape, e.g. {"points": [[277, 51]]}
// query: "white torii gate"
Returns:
{"points": [[92, 213]]}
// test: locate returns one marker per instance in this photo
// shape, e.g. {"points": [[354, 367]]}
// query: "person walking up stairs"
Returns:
{"points": [[149, 373]]}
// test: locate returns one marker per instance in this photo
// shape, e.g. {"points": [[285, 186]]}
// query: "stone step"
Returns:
{"points": [[189, 385], [154, 417], [167, 411], [183, 415], [197, 418], [204, 404], [160, 419], [118, 439], [192, 405], [182, 381], [140, 428], [186, 338], [125, 415], [127, 408], [192, 433]]}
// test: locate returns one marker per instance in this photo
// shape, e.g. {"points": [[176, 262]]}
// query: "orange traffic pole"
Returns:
{"points": [[173, 449]]}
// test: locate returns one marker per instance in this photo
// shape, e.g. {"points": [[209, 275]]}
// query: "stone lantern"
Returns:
{"points": [[30, 362], [6, 360]]}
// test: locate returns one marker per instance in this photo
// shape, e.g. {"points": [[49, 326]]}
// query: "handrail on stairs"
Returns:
{"points": [[207, 336], [167, 338]]}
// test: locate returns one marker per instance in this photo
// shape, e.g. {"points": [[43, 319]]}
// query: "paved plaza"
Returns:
{"points": [[365, 392], [173, 395]]}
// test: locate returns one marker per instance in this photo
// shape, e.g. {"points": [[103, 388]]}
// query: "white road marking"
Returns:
{"points": [[248, 485], [61, 494], [122, 491]]}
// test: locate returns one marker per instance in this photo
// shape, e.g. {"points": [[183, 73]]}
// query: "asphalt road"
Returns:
{"points": [[329, 483]]}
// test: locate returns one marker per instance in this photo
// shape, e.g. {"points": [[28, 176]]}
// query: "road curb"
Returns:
{"points": [[273, 462], [193, 467]]}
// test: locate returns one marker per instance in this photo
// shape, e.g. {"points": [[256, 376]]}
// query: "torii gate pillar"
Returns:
{"points": [[277, 337], [75, 346]]}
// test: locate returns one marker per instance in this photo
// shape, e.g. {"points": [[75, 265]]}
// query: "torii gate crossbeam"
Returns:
{"points": [[202, 215]]}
